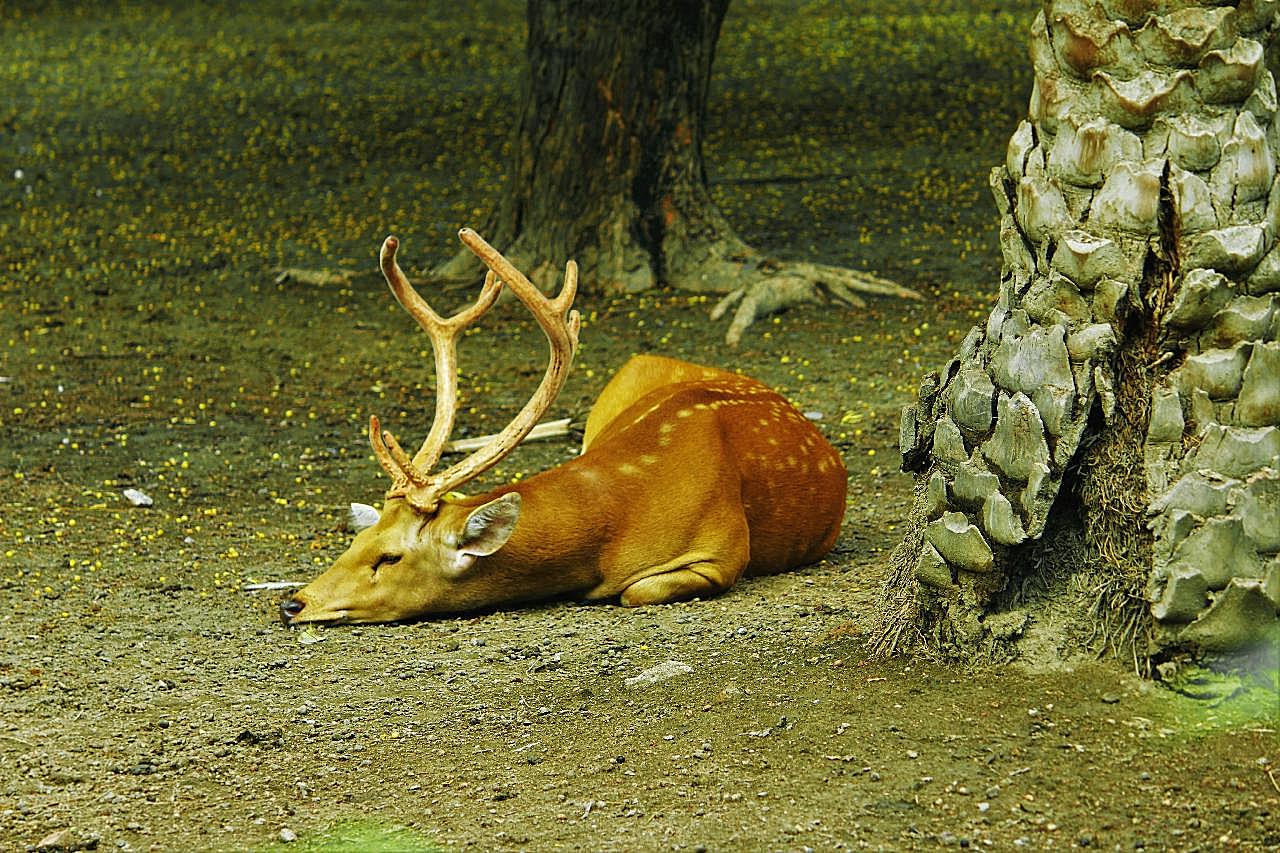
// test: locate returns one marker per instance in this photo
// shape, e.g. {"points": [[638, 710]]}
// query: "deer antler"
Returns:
{"points": [[411, 478]]}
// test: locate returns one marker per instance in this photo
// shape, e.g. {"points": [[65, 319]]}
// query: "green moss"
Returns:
{"points": [[359, 836]]}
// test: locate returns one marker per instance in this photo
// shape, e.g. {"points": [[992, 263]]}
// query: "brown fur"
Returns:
{"points": [[690, 476]]}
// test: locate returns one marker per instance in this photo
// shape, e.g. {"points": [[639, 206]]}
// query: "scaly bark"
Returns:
{"points": [[1106, 444]]}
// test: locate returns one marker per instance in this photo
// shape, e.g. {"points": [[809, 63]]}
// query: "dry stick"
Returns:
{"points": [[547, 429], [1271, 774], [272, 585]]}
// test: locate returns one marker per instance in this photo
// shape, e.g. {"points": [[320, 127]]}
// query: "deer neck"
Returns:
{"points": [[556, 547]]}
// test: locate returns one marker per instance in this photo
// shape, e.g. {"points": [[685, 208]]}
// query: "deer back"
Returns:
{"points": [[702, 440]]}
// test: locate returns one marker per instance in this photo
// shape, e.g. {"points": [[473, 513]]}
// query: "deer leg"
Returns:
{"points": [[694, 580]]}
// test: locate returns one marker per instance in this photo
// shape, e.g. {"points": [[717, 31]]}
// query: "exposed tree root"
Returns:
{"points": [[771, 286], [753, 284]]}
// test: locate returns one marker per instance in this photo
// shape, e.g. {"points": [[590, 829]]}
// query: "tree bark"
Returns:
{"points": [[1097, 467], [607, 165]]}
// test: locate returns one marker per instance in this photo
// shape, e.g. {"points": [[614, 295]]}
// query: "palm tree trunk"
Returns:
{"points": [[1097, 466]]}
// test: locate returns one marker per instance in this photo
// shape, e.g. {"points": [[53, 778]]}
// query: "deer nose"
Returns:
{"points": [[290, 608]]}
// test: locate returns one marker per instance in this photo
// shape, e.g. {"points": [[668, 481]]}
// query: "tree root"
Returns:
{"points": [[757, 285], [774, 286]]}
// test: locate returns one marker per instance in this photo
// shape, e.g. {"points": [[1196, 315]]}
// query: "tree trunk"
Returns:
{"points": [[608, 170], [608, 152], [1097, 467]]}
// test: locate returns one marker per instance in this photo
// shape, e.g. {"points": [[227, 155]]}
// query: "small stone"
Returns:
{"points": [[287, 835], [657, 674], [53, 841], [137, 498]]}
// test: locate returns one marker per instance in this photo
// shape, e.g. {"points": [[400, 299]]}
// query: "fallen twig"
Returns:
{"points": [[314, 276], [547, 429]]}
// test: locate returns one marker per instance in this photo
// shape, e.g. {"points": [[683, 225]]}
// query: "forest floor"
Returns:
{"points": [[165, 162]]}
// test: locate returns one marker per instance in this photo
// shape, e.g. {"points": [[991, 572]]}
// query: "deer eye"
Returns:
{"points": [[386, 560]]}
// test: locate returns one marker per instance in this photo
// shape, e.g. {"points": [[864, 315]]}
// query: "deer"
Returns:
{"points": [[689, 478]]}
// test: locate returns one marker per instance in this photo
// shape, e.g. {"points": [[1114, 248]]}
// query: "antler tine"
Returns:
{"points": [[562, 338], [377, 440], [517, 281], [444, 335]]}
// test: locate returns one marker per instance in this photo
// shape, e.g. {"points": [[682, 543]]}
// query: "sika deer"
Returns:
{"points": [[689, 477]]}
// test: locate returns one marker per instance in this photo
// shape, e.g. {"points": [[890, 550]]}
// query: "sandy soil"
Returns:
{"points": [[149, 702]]}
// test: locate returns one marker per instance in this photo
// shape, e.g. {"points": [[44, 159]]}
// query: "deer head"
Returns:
{"points": [[416, 558]]}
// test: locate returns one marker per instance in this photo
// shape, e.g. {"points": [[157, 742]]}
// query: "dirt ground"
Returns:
{"points": [[166, 162]]}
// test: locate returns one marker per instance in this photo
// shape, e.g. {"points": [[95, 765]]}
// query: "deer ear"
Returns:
{"points": [[489, 526], [361, 516]]}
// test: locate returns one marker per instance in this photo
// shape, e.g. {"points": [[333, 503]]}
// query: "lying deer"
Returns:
{"points": [[689, 477]]}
